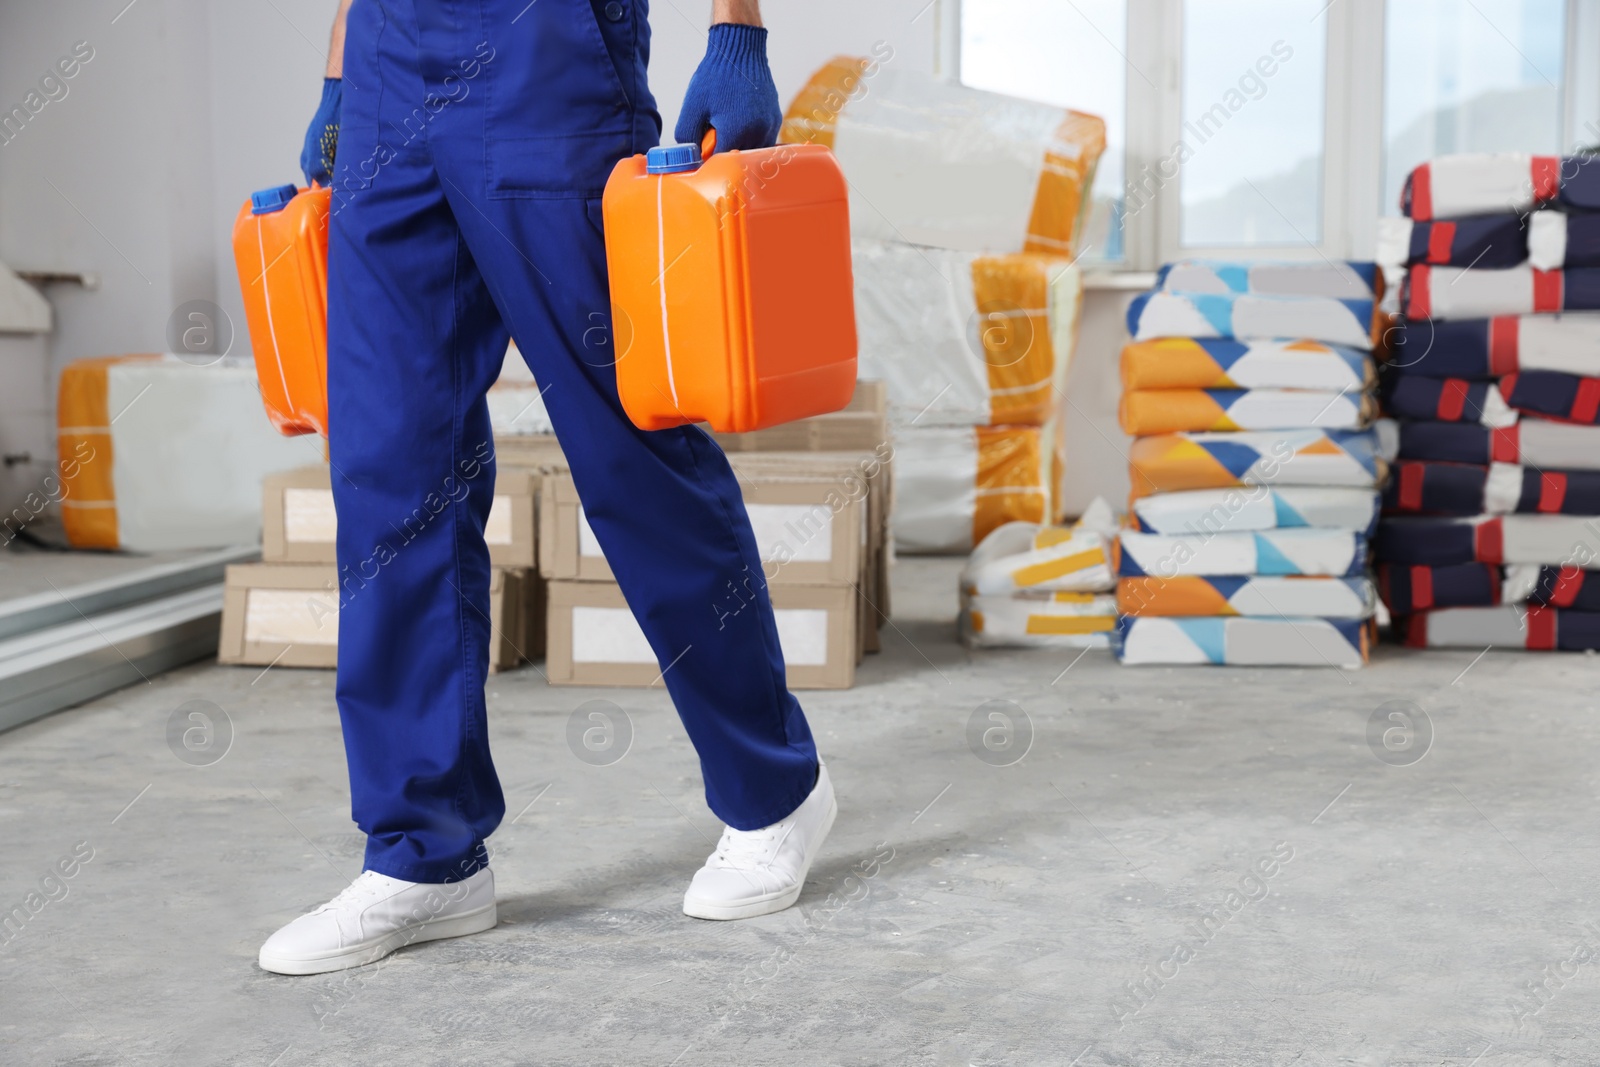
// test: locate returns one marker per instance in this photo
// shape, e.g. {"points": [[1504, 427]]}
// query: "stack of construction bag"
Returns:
{"points": [[1254, 470], [966, 210], [1492, 521], [1028, 585]]}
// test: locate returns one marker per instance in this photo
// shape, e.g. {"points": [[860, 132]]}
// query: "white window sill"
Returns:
{"points": [[1118, 280]]}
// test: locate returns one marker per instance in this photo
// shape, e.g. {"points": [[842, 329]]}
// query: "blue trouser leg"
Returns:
{"points": [[451, 223], [413, 344]]}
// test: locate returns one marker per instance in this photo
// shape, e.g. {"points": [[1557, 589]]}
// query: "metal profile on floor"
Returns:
{"points": [[62, 648]]}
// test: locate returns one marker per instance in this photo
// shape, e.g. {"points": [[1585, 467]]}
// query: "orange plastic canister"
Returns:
{"points": [[280, 243], [732, 297]]}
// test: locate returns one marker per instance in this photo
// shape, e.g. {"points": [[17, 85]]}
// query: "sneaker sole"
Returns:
{"points": [[706, 909], [472, 922]]}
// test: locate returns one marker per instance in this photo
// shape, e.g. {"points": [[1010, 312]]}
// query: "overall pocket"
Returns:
{"points": [[558, 116]]}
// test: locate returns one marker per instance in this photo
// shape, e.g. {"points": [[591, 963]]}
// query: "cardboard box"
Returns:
{"points": [[850, 471], [594, 639], [863, 426], [287, 615], [809, 532], [298, 524], [535, 452]]}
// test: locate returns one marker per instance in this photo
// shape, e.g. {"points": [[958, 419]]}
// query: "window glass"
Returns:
{"points": [[1066, 53], [1464, 77], [1250, 154]]}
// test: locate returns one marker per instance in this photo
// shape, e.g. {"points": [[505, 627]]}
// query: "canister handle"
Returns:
{"points": [[708, 144]]}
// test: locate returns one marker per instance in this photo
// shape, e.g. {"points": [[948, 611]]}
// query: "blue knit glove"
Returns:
{"points": [[322, 139], [732, 92]]}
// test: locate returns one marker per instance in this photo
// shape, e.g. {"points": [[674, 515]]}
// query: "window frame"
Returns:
{"points": [[1353, 132]]}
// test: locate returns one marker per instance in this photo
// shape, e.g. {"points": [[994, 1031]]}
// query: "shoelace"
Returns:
{"points": [[747, 848], [364, 890]]}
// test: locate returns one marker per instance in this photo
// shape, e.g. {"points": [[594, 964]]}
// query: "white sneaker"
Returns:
{"points": [[376, 915], [757, 872]]}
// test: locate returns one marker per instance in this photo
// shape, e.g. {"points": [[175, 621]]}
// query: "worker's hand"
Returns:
{"points": [[322, 139], [732, 92]]}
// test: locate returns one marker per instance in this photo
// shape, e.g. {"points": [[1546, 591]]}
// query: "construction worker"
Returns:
{"points": [[467, 146]]}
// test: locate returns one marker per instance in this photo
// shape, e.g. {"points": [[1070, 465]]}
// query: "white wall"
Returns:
{"points": [[188, 106], [1096, 448]]}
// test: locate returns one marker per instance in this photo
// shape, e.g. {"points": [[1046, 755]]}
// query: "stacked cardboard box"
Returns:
{"points": [[820, 518], [818, 490], [966, 209], [285, 610], [1254, 472]]}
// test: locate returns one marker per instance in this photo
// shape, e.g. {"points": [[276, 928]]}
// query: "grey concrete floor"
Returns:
{"points": [[25, 570], [1090, 904]]}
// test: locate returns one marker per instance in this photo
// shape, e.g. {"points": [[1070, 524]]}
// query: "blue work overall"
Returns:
{"points": [[477, 138]]}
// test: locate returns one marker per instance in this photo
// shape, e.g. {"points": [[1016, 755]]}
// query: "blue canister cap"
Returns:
{"points": [[269, 200], [672, 159]]}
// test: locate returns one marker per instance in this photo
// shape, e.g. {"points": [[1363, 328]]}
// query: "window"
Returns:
{"points": [[1462, 77], [1282, 128], [1253, 103], [1070, 54]]}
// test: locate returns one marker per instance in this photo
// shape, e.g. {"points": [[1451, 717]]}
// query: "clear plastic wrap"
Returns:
{"points": [[966, 340], [936, 163]]}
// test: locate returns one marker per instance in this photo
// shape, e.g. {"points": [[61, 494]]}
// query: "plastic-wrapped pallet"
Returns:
{"points": [[157, 453], [937, 163], [966, 340], [953, 485], [974, 352]]}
